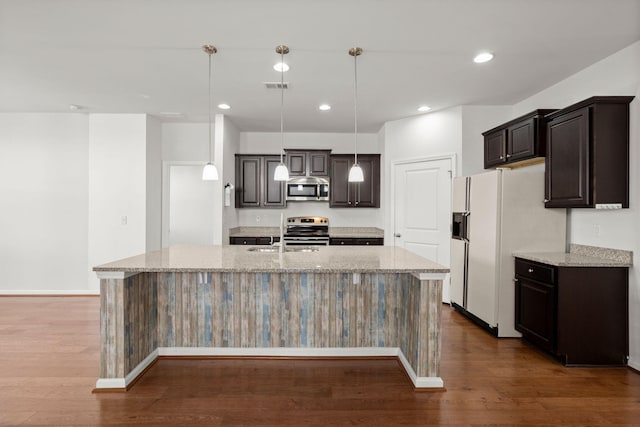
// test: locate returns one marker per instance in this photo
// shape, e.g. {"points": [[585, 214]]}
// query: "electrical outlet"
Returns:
{"points": [[257, 218], [596, 229], [123, 220]]}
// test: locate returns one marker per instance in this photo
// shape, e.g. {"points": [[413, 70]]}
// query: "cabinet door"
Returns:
{"points": [[273, 191], [521, 140], [340, 189], [568, 173], [494, 148], [367, 193], [536, 312], [242, 240], [248, 177], [297, 163], [318, 163]]}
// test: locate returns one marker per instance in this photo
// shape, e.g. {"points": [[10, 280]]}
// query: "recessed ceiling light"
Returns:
{"points": [[424, 108], [483, 57], [324, 107], [74, 107], [224, 106], [281, 67]]}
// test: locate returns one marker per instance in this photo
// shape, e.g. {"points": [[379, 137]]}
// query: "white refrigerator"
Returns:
{"points": [[496, 214]]}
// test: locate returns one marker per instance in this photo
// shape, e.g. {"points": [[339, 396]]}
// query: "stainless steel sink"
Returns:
{"points": [[275, 249]]}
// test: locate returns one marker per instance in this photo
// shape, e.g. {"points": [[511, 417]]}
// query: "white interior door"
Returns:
{"points": [[190, 206], [422, 210]]}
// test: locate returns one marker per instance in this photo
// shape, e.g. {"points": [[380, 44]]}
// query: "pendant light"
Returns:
{"points": [[281, 173], [210, 172], [355, 173]]}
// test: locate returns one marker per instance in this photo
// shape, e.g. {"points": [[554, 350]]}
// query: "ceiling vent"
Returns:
{"points": [[276, 85]]}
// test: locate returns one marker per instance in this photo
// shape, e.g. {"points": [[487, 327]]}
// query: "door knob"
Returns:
{"points": [[398, 235]]}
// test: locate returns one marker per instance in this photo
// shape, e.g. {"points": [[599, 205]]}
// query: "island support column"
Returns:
{"points": [[128, 327]]}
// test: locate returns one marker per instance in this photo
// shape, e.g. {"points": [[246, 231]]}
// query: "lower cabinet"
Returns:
{"points": [[578, 314], [253, 240], [373, 241]]}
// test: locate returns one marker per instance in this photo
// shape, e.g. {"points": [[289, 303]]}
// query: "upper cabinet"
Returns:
{"points": [[587, 161], [308, 162], [255, 186], [520, 139], [345, 194]]}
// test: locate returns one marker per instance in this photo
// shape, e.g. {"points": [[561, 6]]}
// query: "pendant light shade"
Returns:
{"points": [[210, 172], [355, 173], [281, 173]]}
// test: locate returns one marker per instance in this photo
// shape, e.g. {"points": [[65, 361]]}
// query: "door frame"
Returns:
{"points": [[166, 166], [392, 201], [390, 230]]}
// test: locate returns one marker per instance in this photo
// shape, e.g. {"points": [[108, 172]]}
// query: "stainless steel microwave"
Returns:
{"points": [[308, 188]]}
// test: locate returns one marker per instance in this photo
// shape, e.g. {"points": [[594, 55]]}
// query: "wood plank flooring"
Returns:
{"points": [[49, 360]]}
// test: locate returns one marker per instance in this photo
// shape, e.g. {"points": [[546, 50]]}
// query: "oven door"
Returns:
{"points": [[306, 241]]}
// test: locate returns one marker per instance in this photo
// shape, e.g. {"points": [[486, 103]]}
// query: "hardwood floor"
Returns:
{"points": [[49, 364]]}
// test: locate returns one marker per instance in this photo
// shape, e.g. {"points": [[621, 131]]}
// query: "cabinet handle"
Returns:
{"points": [[546, 200], [244, 242], [397, 235], [349, 202], [501, 157], [342, 243], [531, 270], [367, 243], [357, 203], [508, 155]]}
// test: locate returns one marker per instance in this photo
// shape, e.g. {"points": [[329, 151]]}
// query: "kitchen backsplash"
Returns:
{"points": [[363, 217]]}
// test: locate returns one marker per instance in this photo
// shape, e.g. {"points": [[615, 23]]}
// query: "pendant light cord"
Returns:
{"points": [[355, 106], [282, 106], [210, 157]]}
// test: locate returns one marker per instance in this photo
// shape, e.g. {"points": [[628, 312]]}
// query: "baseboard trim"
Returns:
{"points": [[48, 293], [123, 384], [634, 364]]}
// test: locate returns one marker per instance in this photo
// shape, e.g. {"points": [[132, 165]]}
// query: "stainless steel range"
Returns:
{"points": [[306, 230]]}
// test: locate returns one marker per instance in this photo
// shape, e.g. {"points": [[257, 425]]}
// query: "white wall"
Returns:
{"points": [[44, 203], [427, 135], [230, 141], [618, 74], [338, 143], [117, 188], [153, 168]]}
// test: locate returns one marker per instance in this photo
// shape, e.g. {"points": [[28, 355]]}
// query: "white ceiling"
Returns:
{"points": [[144, 56]]}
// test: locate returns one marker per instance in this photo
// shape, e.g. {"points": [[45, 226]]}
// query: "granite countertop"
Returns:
{"points": [[344, 232], [237, 258], [582, 256], [356, 232]]}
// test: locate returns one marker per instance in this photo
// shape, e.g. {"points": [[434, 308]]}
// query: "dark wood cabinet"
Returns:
{"points": [[345, 194], [520, 139], [587, 160], [536, 303], [255, 186], [308, 163], [357, 241], [578, 314], [258, 240]]}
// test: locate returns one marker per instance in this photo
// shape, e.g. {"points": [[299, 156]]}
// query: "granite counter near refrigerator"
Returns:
{"points": [[228, 301]]}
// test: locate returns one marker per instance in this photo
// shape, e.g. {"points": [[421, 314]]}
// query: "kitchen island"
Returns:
{"points": [[208, 301]]}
